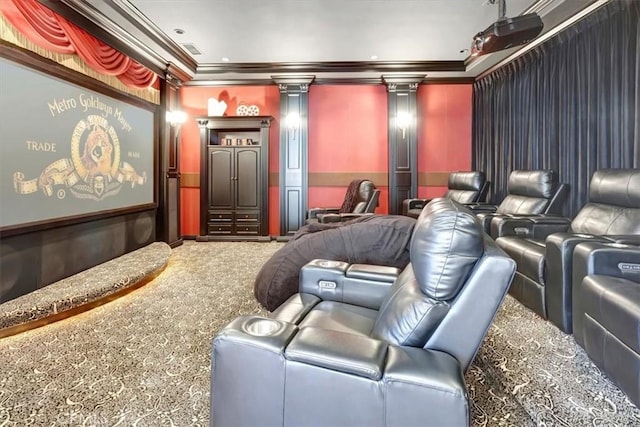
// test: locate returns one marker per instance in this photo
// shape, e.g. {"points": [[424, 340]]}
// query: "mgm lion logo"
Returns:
{"points": [[95, 152], [97, 156], [94, 170]]}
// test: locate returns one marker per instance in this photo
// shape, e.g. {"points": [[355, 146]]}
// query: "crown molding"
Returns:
{"points": [[272, 68], [320, 81]]}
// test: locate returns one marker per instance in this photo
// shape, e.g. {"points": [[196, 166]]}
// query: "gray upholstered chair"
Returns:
{"points": [[368, 345], [606, 309], [361, 199], [529, 192], [543, 246], [463, 187]]}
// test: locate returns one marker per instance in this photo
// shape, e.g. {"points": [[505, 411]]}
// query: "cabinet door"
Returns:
{"points": [[247, 177], [221, 178]]}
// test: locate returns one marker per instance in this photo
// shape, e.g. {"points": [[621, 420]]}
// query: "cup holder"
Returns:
{"points": [[262, 327]]}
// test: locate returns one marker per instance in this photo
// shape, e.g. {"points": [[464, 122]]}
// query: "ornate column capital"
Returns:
{"points": [[293, 84], [403, 83]]}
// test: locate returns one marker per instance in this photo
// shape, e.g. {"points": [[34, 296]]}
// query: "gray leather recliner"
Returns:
{"points": [[369, 345], [606, 309], [543, 246], [362, 198], [463, 187], [529, 192]]}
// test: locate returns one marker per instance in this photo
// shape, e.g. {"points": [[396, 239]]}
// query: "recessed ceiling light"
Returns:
{"points": [[178, 30], [225, 59], [374, 57]]}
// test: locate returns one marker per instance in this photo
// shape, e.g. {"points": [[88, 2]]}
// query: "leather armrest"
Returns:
{"points": [[559, 249], [608, 259], [357, 284], [625, 239], [482, 207], [339, 351], [536, 227], [295, 308], [314, 212], [603, 258], [431, 368], [248, 361], [377, 273], [259, 332], [408, 204], [512, 226], [433, 378]]}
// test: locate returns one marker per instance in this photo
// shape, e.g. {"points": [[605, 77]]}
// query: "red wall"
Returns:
{"points": [[194, 103], [444, 134], [347, 133]]}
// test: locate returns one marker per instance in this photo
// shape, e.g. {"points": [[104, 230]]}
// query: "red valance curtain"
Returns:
{"points": [[50, 31]]}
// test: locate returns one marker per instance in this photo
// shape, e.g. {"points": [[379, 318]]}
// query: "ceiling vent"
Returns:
{"points": [[193, 50]]}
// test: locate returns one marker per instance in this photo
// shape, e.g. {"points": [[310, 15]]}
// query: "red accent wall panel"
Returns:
{"points": [[190, 216], [347, 133], [193, 101], [444, 135]]}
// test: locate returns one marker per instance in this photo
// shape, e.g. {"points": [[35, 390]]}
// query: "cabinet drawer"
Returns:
{"points": [[220, 228], [247, 229], [247, 216], [220, 216]]}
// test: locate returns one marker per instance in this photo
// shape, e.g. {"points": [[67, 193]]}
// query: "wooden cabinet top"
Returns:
{"points": [[234, 122]]}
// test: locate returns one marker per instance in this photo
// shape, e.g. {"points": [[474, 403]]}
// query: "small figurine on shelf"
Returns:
{"points": [[247, 110], [216, 108]]}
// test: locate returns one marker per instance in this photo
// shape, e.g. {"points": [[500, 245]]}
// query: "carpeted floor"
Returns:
{"points": [[144, 360]]}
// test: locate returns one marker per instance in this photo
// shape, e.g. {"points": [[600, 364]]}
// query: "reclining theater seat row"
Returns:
{"points": [[361, 198], [365, 345], [463, 187], [543, 247], [529, 192]]}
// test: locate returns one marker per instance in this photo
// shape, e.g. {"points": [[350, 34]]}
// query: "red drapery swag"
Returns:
{"points": [[51, 31]]}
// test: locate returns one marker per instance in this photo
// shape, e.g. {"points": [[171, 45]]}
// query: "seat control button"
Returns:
{"points": [[325, 284]]}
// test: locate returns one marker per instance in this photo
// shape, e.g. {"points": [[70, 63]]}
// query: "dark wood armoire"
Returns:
{"points": [[234, 178]]}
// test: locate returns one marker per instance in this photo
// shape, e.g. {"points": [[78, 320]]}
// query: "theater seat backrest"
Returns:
{"points": [[466, 187], [529, 192], [614, 204], [446, 243]]}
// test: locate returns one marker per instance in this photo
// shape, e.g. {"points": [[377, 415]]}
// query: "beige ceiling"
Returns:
{"points": [[275, 35]]}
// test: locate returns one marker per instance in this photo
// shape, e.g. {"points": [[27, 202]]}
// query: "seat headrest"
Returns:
{"points": [[447, 241], [533, 183], [470, 181], [365, 189], [619, 187]]}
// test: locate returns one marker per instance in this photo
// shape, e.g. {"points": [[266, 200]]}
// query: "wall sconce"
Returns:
{"points": [[176, 118], [293, 123], [403, 121]]}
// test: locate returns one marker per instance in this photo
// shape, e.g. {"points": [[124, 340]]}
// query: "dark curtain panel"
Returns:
{"points": [[571, 104]]}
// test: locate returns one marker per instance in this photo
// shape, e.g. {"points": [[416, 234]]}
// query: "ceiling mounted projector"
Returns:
{"points": [[506, 33]]}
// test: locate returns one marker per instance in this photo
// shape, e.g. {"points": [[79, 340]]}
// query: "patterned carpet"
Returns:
{"points": [[144, 360]]}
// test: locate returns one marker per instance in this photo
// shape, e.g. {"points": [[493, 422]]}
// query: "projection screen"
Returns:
{"points": [[68, 151]]}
